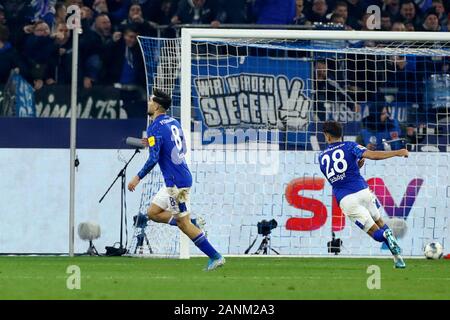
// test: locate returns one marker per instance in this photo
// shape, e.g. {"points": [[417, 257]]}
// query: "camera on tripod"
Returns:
{"points": [[265, 227], [140, 222]]}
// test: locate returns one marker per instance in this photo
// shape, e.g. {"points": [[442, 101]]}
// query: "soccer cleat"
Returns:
{"points": [[392, 242], [399, 263], [215, 263]]}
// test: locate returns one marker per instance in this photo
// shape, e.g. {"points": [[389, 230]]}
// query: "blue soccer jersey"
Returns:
{"points": [[339, 164], [167, 147]]}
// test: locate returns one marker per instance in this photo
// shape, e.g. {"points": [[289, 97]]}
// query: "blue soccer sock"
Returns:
{"points": [[385, 227], [379, 235], [203, 244]]}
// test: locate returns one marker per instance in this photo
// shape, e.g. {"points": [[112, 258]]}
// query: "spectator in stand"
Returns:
{"points": [[163, 16], [447, 28], [87, 17], [379, 121], [403, 80], [392, 7], [414, 134], [364, 26], [337, 19], [398, 26], [356, 10], [274, 11], [340, 15], [136, 17], [40, 50], [341, 9], [64, 54], [9, 59], [60, 13], [199, 12], [438, 5], [93, 44], [386, 21], [408, 14], [166, 11], [126, 71], [430, 22], [329, 91], [318, 12], [300, 18], [102, 28], [320, 94]]}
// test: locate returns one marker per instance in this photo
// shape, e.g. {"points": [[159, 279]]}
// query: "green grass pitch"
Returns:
{"points": [[240, 278]]}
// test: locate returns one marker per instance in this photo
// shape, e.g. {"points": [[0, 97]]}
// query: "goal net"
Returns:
{"points": [[253, 103]]}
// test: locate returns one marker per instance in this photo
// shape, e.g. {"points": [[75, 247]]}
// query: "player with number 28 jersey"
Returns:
{"points": [[340, 163]]}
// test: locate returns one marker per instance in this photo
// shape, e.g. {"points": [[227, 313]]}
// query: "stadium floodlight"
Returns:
{"points": [[226, 80]]}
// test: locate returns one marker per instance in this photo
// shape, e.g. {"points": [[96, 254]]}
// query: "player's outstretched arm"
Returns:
{"points": [[149, 164], [381, 155]]}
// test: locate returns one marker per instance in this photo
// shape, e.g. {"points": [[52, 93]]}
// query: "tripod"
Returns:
{"points": [[264, 246], [122, 174], [140, 242], [92, 251]]}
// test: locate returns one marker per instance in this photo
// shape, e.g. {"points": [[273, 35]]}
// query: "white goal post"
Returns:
{"points": [[268, 196]]}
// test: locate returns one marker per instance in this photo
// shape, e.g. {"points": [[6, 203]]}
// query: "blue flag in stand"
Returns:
{"points": [[25, 106]]}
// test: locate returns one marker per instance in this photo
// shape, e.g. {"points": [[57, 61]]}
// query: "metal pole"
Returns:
{"points": [[73, 128], [186, 64]]}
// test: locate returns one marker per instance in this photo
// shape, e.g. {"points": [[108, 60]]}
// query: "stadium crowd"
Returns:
{"points": [[34, 37], [35, 40]]}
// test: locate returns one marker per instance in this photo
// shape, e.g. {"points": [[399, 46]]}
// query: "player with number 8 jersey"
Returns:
{"points": [[167, 147]]}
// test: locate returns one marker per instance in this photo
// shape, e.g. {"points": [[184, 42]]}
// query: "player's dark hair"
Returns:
{"points": [[162, 98], [333, 128]]}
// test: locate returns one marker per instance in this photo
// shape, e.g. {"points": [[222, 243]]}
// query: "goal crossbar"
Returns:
{"points": [[202, 34]]}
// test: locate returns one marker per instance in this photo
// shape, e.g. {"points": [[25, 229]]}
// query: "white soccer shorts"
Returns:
{"points": [[173, 199], [362, 208]]}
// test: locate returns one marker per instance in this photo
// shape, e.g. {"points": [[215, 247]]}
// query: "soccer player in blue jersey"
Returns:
{"points": [[340, 163], [167, 148]]}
